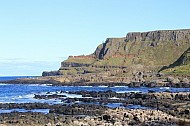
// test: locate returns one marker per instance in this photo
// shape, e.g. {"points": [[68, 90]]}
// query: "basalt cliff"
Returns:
{"points": [[155, 58], [138, 51]]}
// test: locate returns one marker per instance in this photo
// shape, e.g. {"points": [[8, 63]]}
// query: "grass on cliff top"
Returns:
{"points": [[71, 71], [178, 70], [117, 61], [85, 61]]}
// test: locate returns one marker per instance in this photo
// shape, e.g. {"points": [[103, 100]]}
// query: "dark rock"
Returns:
{"points": [[106, 117], [136, 119], [50, 73], [72, 64], [48, 96], [186, 111], [134, 84], [151, 91], [151, 84]]}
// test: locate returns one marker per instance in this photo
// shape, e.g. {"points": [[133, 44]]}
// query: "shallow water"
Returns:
{"points": [[22, 93], [45, 111]]}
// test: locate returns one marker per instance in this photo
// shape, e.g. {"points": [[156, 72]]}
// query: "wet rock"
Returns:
{"points": [[134, 84], [150, 84], [76, 109], [151, 91], [48, 96]]}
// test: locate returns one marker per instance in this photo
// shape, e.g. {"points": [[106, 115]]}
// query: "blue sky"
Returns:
{"points": [[36, 35]]}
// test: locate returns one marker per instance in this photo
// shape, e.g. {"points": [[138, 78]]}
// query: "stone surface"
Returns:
{"points": [[162, 35], [186, 80]]}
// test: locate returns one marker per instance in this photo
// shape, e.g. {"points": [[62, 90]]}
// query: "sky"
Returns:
{"points": [[36, 35]]}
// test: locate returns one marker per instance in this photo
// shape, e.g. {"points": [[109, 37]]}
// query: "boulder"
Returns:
{"points": [[175, 81], [106, 117], [185, 80]]}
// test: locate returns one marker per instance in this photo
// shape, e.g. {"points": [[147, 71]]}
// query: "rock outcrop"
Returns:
{"points": [[72, 64], [110, 48], [50, 73], [162, 35]]}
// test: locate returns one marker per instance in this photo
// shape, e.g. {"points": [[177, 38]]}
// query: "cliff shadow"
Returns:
{"points": [[183, 59]]}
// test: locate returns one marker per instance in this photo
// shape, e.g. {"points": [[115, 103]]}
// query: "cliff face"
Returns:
{"points": [[155, 48], [152, 50], [133, 39], [110, 47], [163, 35]]}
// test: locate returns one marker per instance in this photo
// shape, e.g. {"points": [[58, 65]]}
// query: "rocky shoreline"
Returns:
{"points": [[104, 108], [163, 108], [109, 84], [112, 117], [109, 78]]}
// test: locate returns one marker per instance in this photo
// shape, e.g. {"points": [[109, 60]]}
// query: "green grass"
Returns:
{"points": [[85, 61], [70, 71], [178, 70], [117, 61]]}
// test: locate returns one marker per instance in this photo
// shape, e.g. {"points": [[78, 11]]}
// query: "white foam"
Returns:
{"points": [[19, 96], [114, 98], [39, 85], [103, 86], [165, 88], [127, 91], [29, 96], [46, 84], [121, 86], [32, 84], [45, 93], [84, 86], [3, 84], [41, 110], [72, 95], [68, 86]]}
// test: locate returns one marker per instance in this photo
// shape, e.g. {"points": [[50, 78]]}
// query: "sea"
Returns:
{"points": [[24, 93], [3, 78]]}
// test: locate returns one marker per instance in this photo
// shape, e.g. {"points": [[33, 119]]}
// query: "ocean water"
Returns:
{"points": [[24, 93], [3, 78], [45, 111]]}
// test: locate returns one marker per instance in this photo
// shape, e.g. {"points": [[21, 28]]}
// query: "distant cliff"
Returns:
{"points": [[162, 35], [152, 50], [155, 48], [142, 40]]}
